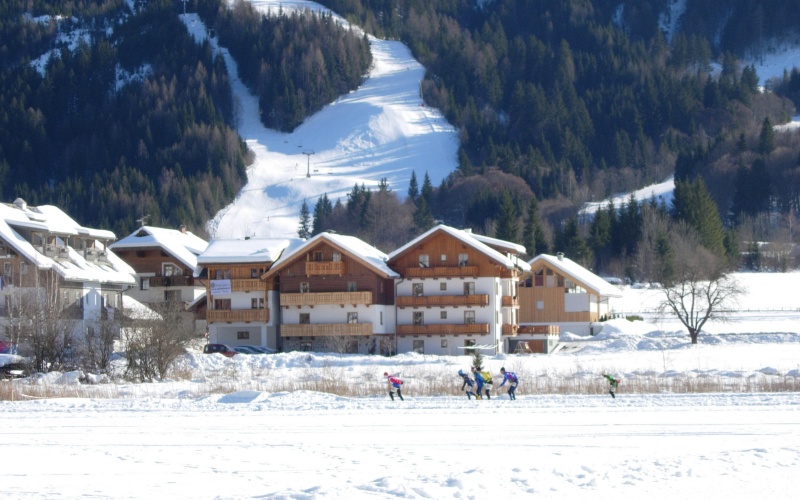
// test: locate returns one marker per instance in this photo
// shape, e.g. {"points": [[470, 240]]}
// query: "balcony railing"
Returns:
{"points": [[327, 298], [510, 301], [449, 329], [237, 315], [441, 271], [326, 330], [550, 329], [324, 268], [510, 329], [443, 300], [171, 281], [248, 285]]}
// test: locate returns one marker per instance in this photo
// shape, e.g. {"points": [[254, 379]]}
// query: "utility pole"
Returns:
{"points": [[308, 166]]}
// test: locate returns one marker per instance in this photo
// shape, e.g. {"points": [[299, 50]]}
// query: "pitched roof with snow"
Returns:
{"points": [[478, 242], [579, 273], [184, 246], [353, 246], [243, 251], [53, 221]]}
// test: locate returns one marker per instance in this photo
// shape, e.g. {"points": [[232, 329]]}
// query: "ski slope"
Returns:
{"points": [[381, 130]]}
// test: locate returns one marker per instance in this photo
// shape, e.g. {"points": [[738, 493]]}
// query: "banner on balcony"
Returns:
{"points": [[220, 287]]}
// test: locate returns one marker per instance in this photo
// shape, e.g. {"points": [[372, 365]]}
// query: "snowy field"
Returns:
{"points": [[230, 428]]}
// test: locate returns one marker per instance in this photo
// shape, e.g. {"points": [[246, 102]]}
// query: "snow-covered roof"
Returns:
{"points": [[54, 221], [477, 242], [184, 246], [579, 273], [494, 242], [353, 246], [243, 251]]}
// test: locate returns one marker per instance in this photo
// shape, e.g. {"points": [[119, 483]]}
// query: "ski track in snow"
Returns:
{"points": [[381, 130]]}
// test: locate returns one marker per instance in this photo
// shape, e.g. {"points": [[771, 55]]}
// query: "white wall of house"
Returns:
{"points": [[576, 302], [442, 345], [230, 333]]}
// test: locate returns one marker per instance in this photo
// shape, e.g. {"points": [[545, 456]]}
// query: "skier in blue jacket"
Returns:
{"points": [[467, 385], [479, 381], [512, 380]]}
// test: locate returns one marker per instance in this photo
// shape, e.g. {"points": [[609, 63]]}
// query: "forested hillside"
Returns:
{"points": [[584, 99], [129, 116]]}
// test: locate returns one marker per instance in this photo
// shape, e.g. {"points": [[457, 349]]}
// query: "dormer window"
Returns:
{"points": [[424, 260]]}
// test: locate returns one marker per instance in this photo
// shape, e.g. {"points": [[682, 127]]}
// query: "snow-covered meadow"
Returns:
{"points": [[261, 426]]}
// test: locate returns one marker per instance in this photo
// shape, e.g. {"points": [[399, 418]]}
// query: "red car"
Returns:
{"points": [[219, 348]]}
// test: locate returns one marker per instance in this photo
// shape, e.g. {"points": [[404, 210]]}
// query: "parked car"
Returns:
{"points": [[263, 350], [246, 349], [219, 348]]}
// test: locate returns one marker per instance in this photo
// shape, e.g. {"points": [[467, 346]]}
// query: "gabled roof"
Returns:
{"points": [[579, 273], [243, 251], [474, 241], [352, 246], [54, 221], [184, 246]]}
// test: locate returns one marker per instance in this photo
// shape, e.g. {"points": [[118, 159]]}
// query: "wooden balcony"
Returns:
{"points": [[442, 272], [238, 316], [510, 329], [248, 285], [548, 329], [326, 299], [171, 281], [510, 301], [444, 329], [443, 300], [324, 268], [326, 330]]}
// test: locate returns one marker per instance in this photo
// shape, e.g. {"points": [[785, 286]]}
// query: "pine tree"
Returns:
{"points": [[477, 359], [423, 218], [533, 234], [322, 210], [766, 139], [304, 231], [693, 203], [507, 226], [427, 189], [413, 189]]}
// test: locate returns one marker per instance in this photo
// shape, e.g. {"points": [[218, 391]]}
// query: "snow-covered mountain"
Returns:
{"points": [[381, 130]]}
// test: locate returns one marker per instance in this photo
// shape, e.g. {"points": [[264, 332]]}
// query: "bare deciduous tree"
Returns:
{"points": [[701, 290]]}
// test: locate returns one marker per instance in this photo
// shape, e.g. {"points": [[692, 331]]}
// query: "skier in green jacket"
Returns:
{"points": [[614, 383]]}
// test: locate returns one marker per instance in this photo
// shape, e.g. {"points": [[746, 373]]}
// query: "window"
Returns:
{"points": [[469, 317], [145, 285], [417, 289], [418, 346], [442, 314], [419, 318], [443, 258], [242, 335], [540, 304], [222, 274], [352, 317], [444, 343], [469, 343], [469, 288], [424, 261], [254, 272], [351, 286], [23, 268], [172, 295], [463, 260], [222, 304], [337, 257], [168, 269], [443, 286], [304, 287], [317, 256], [305, 318], [7, 268], [257, 303]]}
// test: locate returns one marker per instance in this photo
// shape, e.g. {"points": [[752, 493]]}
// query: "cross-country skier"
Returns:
{"points": [[614, 384], [479, 381], [394, 384], [512, 380], [468, 385]]}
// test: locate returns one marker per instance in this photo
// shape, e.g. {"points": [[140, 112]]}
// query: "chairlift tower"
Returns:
{"points": [[308, 165]]}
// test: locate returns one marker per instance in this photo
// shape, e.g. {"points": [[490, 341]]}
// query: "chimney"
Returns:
{"points": [[183, 228], [19, 202], [560, 255]]}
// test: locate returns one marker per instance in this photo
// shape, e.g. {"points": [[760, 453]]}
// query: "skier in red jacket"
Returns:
{"points": [[394, 384]]}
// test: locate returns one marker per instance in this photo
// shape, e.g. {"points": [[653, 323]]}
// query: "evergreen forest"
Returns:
{"points": [[556, 104]]}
